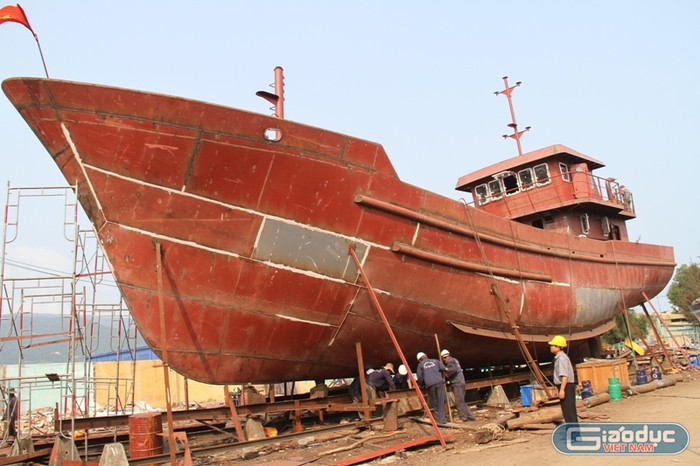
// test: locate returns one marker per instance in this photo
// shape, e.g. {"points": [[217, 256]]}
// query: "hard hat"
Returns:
{"points": [[421, 355], [390, 367], [402, 370], [559, 341], [444, 353]]}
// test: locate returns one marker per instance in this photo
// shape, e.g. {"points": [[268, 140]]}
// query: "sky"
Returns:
{"points": [[617, 81]]}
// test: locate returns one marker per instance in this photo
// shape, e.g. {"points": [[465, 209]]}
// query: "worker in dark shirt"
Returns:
{"points": [[401, 378], [10, 414], [382, 380], [455, 378], [429, 375]]}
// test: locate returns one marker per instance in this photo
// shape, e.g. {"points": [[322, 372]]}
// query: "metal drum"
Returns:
{"points": [[145, 435]]}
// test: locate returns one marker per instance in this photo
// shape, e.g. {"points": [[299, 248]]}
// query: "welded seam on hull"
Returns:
{"points": [[192, 158], [79, 159], [233, 207]]}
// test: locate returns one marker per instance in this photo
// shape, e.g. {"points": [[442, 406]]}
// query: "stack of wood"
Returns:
{"points": [[542, 418]]}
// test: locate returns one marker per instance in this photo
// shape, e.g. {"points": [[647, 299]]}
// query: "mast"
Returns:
{"points": [[276, 99], [513, 125]]}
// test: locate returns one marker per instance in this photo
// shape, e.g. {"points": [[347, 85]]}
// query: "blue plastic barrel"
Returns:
{"points": [[526, 395]]}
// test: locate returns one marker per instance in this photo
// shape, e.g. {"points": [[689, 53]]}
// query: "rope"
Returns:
{"points": [[496, 430]]}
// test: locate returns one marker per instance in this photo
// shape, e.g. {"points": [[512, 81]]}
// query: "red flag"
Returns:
{"points": [[14, 14]]}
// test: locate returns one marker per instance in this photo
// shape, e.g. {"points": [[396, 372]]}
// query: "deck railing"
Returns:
{"points": [[561, 189]]}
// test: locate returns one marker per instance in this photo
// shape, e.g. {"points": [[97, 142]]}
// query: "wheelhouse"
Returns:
{"points": [[553, 188]]}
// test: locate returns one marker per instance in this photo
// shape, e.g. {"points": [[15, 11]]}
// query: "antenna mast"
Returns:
{"points": [[513, 125]]}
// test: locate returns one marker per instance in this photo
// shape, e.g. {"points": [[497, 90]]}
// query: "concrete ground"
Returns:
{"points": [[679, 403]]}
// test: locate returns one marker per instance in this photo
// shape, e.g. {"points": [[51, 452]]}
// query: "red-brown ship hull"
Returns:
{"points": [[257, 284]]}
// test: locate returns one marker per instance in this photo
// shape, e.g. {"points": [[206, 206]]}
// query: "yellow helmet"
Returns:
{"points": [[559, 341]]}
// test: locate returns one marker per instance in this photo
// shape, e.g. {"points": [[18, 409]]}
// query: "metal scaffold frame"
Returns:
{"points": [[87, 325]]}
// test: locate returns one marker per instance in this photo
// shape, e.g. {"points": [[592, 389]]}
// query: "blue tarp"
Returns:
{"points": [[143, 353]]}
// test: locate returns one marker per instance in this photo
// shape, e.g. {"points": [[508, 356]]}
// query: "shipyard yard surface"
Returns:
{"points": [[679, 403]]}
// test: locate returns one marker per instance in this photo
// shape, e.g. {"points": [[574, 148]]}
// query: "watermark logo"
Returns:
{"points": [[620, 438]]}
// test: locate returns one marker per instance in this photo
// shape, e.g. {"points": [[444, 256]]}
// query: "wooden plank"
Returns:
{"points": [[44, 452]]}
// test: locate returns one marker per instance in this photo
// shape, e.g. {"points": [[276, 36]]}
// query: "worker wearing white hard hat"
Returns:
{"points": [[429, 375], [455, 379], [401, 379]]}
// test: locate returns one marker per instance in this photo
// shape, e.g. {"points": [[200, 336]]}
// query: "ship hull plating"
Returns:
{"points": [[256, 282]]}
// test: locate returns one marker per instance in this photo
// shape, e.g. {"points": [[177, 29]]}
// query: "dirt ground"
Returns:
{"points": [[679, 403]]}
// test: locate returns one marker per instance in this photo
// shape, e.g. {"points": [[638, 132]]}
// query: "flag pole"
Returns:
{"points": [[41, 53], [16, 14]]}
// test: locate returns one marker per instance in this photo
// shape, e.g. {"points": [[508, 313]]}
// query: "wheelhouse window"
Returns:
{"points": [[585, 224], [564, 170], [482, 194], [605, 224], [495, 189], [510, 182], [541, 174], [526, 179]]}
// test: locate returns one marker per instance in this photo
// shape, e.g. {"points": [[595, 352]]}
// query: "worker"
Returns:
{"points": [[355, 387], [382, 380], [455, 379], [626, 198], [10, 414], [429, 375], [564, 379], [401, 379]]}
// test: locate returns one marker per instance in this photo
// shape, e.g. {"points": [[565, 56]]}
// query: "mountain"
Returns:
{"points": [[55, 346]]}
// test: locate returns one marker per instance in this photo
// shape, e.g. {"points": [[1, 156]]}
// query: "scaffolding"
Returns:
{"points": [[59, 303]]}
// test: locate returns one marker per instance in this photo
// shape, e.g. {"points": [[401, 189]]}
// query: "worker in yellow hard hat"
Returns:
{"points": [[564, 379], [559, 341]]}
